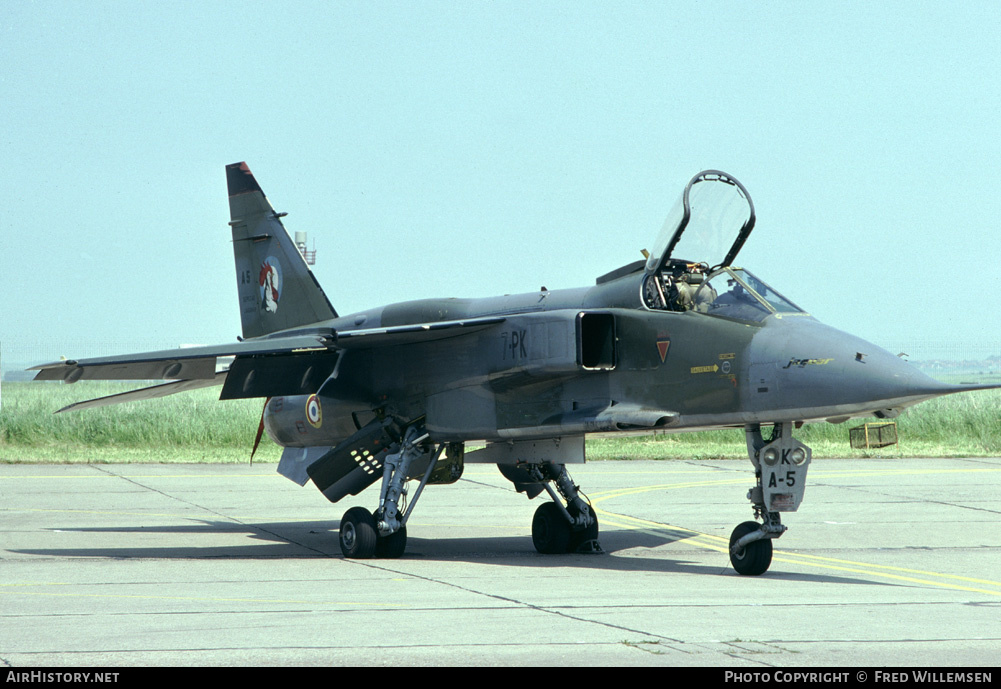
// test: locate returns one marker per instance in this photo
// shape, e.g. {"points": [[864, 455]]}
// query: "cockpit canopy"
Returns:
{"points": [[710, 222]]}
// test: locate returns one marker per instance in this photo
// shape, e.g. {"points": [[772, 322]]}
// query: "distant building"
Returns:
{"points": [[308, 254]]}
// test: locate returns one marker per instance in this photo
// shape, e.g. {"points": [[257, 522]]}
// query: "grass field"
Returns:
{"points": [[197, 427], [187, 427]]}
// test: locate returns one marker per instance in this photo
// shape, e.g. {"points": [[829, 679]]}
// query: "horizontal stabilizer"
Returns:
{"points": [[147, 393]]}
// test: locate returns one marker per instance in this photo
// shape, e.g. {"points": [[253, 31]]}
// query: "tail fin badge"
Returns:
{"points": [[270, 282]]}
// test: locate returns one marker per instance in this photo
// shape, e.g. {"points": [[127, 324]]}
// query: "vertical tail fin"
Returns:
{"points": [[277, 289]]}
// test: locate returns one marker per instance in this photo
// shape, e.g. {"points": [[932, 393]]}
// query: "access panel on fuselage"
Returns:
{"points": [[681, 361]]}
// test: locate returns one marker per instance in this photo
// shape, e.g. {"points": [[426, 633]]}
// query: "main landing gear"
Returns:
{"points": [[780, 465], [566, 525], [559, 528], [364, 535]]}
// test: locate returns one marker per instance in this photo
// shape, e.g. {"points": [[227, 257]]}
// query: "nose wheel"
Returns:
{"points": [[752, 558]]}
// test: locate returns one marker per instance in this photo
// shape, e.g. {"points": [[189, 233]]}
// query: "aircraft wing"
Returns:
{"points": [[261, 375], [411, 334], [199, 363], [263, 367], [193, 363]]}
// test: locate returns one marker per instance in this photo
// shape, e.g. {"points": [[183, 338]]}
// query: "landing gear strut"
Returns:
{"points": [[780, 465]]}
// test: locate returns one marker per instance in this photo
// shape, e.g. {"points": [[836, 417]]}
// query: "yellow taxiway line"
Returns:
{"points": [[720, 544]]}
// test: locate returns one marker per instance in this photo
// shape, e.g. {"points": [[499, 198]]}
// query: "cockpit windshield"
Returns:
{"points": [[736, 293], [763, 291], [727, 292]]}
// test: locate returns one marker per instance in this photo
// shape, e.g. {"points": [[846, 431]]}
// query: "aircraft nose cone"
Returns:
{"points": [[803, 364]]}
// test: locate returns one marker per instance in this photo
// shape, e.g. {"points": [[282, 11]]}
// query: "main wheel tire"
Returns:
{"points": [[358, 535], [579, 538], [756, 556], [392, 546], [550, 529]]}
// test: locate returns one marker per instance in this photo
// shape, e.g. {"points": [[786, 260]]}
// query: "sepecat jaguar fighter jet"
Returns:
{"points": [[683, 340]]}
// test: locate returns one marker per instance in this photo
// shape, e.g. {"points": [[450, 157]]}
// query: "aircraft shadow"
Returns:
{"points": [[269, 541], [318, 539], [519, 552]]}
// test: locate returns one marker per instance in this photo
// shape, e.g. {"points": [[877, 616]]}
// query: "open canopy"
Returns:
{"points": [[709, 223]]}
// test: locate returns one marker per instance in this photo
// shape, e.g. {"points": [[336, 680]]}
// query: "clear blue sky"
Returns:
{"points": [[475, 148]]}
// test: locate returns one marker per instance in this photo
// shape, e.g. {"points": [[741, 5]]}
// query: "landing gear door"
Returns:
{"points": [[709, 223], [783, 474]]}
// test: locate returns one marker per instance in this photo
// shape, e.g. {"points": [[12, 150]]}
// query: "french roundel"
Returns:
{"points": [[313, 412]]}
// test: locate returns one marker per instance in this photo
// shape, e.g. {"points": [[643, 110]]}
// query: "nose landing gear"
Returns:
{"points": [[780, 465]]}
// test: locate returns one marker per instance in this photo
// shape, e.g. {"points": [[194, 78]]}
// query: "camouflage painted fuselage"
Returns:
{"points": [[567, 362]]}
